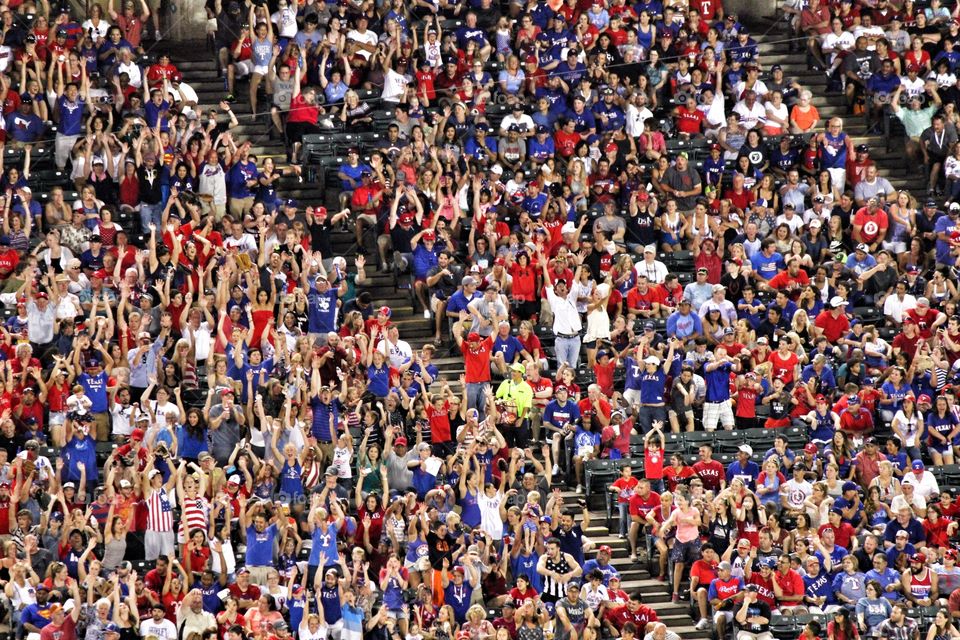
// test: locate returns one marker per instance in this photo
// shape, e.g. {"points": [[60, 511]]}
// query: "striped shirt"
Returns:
{"points": [[551, 586], [195, 514], [159, 511]]}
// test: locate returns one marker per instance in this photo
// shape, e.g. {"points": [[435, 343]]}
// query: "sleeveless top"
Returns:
{"points": [[551, 586], [113, 553], [920, 587]]}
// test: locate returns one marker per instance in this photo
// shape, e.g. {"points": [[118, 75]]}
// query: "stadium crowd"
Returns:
{"points": [[622, 223]]}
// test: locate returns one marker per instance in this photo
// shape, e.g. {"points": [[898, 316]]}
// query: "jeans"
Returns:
{"points": [[568, 351], [150, 213], [648, 415], [476, 397], [624, 508]]}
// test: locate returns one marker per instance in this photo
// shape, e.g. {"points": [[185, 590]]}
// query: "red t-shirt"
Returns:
{"points": [[873, 225], [66, 631], [439, 422], [476, 360], [833, 328], [704, 571], [625, 487], [784, 367], [586, 408], [711, 473], [672, 477], [924, 321], [622, 615], [640, 506], [300, 111]]}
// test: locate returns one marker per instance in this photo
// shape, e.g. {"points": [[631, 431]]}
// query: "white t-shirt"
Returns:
{"points": [[796, 492], [843, 42], [132, 69], [394, 86], [525, 123], [163, 630], [121, 419], [188, 95], [97, 32], [635, 119], [397, 353], [369, 38], [286, 21]]}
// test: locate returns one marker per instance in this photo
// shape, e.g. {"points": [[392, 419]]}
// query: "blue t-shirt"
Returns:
{"points": [[819, 586], [291, 486], [260, 546], [80, 450], [766, 266], [330, 601], [378, 380], [71, 116], [633, 370], [509, 347], [424, 259], [652, 386], [323, 311], [297, 605], [561, 415], [944, 225], [237, 179], [320, 428], [324, 539], [95, 388], [458, 597], [718, 383]]}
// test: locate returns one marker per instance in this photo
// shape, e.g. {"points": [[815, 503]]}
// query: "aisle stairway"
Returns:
{"points": [[199, 70]]}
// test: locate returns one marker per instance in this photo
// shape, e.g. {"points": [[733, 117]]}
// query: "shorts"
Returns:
{"points": [[157, 543], [261, 69], [714, 412], [686, 552], [397, 614], [242, 68], [723, 615], [57, 417]]}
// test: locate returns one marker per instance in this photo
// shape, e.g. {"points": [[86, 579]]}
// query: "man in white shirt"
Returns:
{"points": [[655, 270], [183, 94], [397, 351], [796, 490], [130, 67], [790, 218], [158, 625], [637, 114], [395, 81], [900, 302], [713, 106], [719, 301], [924, 482], [364, 39], [837, 42], [566, 318], [240, 240], [751, 112], [519, 118]]}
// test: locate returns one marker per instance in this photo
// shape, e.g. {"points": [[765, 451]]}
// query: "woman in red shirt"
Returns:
{"points": [[524, 287], [303, 115]]}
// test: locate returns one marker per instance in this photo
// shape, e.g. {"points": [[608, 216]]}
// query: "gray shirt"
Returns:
{"points": [[224, 438], [866, 190], [682, 181], [398, 475]]}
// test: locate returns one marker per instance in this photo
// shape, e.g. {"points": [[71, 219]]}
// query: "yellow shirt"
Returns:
{"points": [[520, 393]]}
